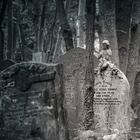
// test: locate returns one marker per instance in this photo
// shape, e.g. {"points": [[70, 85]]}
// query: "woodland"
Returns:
{"points": [[57, 26], [54, 27]]}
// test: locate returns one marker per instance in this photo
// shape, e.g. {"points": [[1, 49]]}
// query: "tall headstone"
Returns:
{"points": [[135, 122], [31, 103], [112, 103], [74, 63]]}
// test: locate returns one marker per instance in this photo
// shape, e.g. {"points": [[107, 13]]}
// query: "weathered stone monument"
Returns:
{"points": [[111, 103], [74, 74], [111, 98], [135, 122], [31, 103], [74, 63]]}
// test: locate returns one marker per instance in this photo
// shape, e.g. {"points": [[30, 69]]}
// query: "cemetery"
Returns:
{"points": [[69, 70], [46, 101]]}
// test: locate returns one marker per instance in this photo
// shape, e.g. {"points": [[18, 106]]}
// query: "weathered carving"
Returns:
{"points": [[31, 103]]}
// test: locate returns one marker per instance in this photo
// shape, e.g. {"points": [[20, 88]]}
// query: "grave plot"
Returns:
{"points": [[31, 103]]}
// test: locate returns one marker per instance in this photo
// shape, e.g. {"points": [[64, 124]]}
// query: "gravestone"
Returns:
{"points": [[111, 103], [74, 63], [135, 122], [31, 103]]}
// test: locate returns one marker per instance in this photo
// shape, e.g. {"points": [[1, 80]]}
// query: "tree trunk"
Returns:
{"points": [[134, 62], [52, 40], [80, 22], [42, 23], [134, 50], [108, 26], [23, 42], [10, 30], [66, 31], [36, 25], [20, 33], [2, 12], [123, 20], [14, 37], [68, 3], [1, 45], [89, 93], [58, 39]]}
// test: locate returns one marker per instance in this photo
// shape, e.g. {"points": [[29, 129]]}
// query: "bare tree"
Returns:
{"points": [[89, 93], [10, 30], [52, 44], [42, 23], [2, 13], [36, 24], [65, 27], [80, 24], [134, 50], [123, 21]]}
